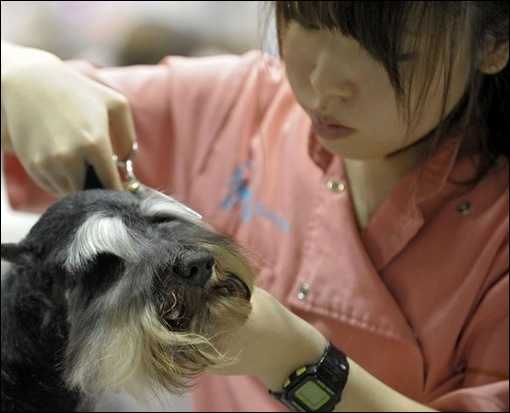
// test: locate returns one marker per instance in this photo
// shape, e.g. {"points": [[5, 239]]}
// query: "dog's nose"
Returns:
{"points": [[195, 267]]}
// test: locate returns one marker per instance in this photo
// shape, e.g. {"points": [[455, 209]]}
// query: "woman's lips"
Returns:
{"points": [[328, 129]]}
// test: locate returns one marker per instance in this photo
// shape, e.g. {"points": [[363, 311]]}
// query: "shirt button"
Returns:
{"points": [[303, 291], [464, 208], [335, 185]]}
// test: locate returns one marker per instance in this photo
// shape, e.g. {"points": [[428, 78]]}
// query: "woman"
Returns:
{"points": [[366, 174]]}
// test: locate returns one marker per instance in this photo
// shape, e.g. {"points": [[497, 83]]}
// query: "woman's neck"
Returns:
{"points": [[372, 180]]}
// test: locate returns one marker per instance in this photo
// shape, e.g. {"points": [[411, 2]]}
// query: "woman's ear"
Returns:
{"points": [[494, 56]]}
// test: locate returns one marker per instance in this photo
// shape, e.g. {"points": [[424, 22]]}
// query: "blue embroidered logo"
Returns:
{"points": [[240, 194]]}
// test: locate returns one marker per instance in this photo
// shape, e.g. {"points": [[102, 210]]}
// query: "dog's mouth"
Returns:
{"points": [[232, 285], [183, 305]]}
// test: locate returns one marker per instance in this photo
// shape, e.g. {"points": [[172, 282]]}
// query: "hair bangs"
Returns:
{"points": [[387, 30]]}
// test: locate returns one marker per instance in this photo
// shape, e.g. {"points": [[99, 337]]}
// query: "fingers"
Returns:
{"points": [[54, 178], [122, 128], [43, 183], [86, 127], [122, 135], [76, 176], [61, 174], [62, 170], [105, 167]]}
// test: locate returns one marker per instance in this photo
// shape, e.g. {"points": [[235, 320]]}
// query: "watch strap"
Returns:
{"points": [[332, 370]]}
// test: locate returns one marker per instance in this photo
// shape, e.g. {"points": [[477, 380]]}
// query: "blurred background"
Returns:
{"points": [[131, 32], [124, 33]]}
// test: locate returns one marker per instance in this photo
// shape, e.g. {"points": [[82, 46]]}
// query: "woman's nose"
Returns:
{"points": [[331, 79]]}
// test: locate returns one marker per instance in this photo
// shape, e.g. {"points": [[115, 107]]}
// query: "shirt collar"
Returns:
{"points": [[400, 217]]}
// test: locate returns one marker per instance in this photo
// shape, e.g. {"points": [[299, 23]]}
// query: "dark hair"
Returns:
{"points": [[381, 26]]}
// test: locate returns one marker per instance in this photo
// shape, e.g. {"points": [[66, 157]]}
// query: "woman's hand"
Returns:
{"points": [[56, 121], [272, 343]]}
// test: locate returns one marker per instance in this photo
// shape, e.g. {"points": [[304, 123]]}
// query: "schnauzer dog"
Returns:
{"points": [[111, 290]]}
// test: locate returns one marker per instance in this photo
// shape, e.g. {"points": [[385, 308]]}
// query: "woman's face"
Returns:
{"points": [[348, 95]]}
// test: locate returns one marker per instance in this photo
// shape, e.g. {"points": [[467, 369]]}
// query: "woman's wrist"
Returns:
{"points": [[272, 343], [318, 386], [279, 342], [291, 344]]}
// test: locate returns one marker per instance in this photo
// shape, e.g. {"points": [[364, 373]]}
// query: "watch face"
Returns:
{"points": [[313, 394], [316, 388]]}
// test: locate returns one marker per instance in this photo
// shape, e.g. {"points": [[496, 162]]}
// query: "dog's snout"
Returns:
{"points": [[195, 267]]}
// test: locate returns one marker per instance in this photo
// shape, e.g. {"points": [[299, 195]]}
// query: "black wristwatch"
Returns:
{"points": [[318, 387]]}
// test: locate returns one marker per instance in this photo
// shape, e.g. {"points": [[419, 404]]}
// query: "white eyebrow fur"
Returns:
{"points": [[163, 205], [99, 234]]}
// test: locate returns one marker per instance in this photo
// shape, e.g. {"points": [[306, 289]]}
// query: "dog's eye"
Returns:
{"points": [[161, 219]]}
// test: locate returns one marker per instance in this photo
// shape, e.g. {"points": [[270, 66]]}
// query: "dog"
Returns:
{"points": [[113, 290]]}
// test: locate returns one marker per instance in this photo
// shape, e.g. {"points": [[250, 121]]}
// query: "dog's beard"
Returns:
{"points": [[196, 310], [145, 346]]}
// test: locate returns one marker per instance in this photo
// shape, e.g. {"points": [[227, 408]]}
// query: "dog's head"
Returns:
{"points": [[151, 291]]}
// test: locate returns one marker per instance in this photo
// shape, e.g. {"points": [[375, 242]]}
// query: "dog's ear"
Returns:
{"points": [[17, 253]]}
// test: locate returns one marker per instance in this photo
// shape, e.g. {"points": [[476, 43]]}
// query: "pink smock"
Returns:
{"points": [[419, 297]]}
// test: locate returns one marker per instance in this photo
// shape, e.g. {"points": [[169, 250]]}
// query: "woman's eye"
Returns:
{"points": [[311, 27], [406, 57], [306, 25]]}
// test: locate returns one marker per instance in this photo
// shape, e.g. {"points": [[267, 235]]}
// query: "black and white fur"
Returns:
{"points": [[111, 290]]}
